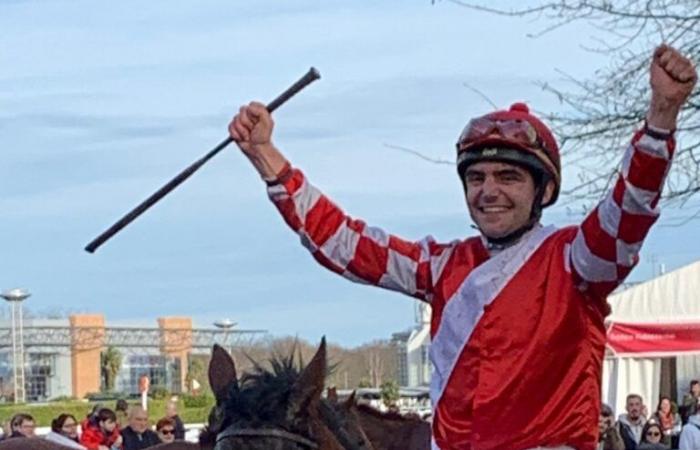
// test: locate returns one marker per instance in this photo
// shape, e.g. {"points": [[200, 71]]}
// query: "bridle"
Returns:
{"points": [[275, 433], [278, 433]]}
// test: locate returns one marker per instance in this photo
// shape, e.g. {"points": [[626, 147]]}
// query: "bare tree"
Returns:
{"points": [[602, 112]]}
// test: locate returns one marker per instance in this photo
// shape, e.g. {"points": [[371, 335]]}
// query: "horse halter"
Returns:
{"points": [[231, 432]]}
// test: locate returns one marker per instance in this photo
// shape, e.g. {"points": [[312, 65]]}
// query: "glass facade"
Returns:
{"points": [[163, 372], [39, 368]]}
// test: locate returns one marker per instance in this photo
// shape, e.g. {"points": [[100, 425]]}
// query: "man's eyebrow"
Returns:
{"points": [[508, 172]]}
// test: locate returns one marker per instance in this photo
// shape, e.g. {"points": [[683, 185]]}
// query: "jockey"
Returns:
{"points": [[517, 312]]}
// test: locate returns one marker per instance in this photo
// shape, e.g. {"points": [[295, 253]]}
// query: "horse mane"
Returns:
{"points": [[259, 399], [388, 415], [261, 395]]}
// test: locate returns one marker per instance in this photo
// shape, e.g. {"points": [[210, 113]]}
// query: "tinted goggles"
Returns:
{"points": [[516, 131]]}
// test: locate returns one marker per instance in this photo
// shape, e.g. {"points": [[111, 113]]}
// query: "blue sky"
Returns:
{"points": [[100, 104]]}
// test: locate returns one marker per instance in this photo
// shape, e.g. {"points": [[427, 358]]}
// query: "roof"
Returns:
{"points": [[672, 297]]}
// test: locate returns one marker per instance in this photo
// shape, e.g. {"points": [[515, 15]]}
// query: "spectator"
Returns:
{"points": [[166, 430], [6, 430], [171, 413], [669, 421], [690, 436], [137, 435], [690, 401], [22, 426], [651, 437], [100, 431], [64, 431], [121, 409], [609, 437], [630, 425]]}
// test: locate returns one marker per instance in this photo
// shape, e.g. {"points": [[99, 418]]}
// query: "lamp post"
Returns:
{"points": [[15, 297], [225, 325]]}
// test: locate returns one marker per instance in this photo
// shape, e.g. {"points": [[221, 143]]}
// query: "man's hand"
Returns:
{"points": [[251, 128], [672, 78]]}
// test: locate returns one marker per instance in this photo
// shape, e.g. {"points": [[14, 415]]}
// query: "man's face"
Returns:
{"points": [[695, 389], [171, 409], [26, 428], [139, 421], [634, 408], [499, 197]]}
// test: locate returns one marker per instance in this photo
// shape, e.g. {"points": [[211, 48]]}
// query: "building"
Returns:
{"points": [[62, 356], [413, 347]]}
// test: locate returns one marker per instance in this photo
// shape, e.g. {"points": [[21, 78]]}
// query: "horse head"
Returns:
{"points": [[275, 409]]}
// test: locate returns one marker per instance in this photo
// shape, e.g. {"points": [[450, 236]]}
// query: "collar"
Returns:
{"points": [[496, 245]]}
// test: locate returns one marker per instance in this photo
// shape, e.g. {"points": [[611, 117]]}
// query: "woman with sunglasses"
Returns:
{"points": [[64, 431], [166, 430], [651, 437], [518, 311]]}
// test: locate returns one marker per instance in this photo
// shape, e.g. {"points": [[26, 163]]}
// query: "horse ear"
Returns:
{"points": [[332, 394], [309, 386], [222, 372], [350, 402]]}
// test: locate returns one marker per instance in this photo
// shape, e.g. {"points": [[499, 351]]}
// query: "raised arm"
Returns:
{"points": [[607, 244], [344, 245]]}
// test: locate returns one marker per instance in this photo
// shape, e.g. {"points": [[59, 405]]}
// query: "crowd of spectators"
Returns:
{"points": [[124, 428], [668, 427]]}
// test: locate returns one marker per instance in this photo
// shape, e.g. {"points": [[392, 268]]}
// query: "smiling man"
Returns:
{"points": [[517, 312]]}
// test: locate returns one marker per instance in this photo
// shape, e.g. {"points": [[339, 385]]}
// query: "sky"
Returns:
{"points": [[102, 103]]}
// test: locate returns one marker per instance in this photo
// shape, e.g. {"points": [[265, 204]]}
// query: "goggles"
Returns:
{"points": [[517, 131]]}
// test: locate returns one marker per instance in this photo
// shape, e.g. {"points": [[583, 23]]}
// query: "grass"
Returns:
{"points": [[44, 413]]}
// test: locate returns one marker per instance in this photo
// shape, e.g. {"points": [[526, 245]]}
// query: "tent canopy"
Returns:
{"points": [[670, 298]]}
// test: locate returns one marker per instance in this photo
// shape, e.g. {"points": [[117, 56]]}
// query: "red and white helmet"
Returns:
{"points": [[514, 136]]}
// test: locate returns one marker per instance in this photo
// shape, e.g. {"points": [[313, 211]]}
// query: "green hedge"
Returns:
{"points": [[45, 413]]}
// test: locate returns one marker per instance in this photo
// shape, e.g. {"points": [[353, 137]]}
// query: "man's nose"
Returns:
{"points": [[489, 188]]}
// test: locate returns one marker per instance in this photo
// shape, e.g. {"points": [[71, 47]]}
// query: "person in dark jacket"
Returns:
{"points": [[138, 435], [652, 436], [609, 438], [22, 426], [691, 400], [171, 413]]}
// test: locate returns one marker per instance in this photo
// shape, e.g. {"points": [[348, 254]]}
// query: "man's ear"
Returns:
{"points": [[548, 192]]}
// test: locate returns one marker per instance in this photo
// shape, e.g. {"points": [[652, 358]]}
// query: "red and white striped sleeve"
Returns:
{"points": [[607, 244], [348, 246]]}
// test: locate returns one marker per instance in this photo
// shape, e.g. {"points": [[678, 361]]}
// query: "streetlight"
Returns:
{"points": [[225, 325], [16, 297]]}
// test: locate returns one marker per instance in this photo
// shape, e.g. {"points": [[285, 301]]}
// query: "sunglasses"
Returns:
{"points": [[167, 431], [518, 131], [653, 433]]}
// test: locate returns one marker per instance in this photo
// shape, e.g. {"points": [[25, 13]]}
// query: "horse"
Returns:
{"points": [[276, 409], [393, 431], [385, 430]]}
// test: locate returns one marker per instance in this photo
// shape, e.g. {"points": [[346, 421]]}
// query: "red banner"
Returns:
{"points": [[665, 339]]}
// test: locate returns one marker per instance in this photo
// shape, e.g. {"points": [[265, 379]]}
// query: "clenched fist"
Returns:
{"points": [[672, 79]]}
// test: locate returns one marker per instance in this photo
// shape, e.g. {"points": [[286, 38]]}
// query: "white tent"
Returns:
{"points": [[655, 319]]}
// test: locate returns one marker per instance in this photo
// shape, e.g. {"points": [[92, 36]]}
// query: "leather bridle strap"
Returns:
{"points": [[265, 432]]}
